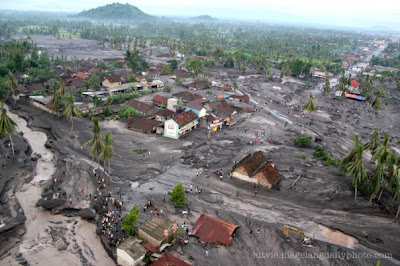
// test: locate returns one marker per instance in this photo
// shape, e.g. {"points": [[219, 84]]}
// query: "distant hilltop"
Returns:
{"points": [[205, 18], [115, 11]]}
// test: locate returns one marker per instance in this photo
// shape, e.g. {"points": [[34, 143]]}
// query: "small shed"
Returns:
{"points": [[212, 230], [130, 252]]}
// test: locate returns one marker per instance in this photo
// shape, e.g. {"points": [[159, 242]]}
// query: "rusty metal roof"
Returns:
{"points": [[169, 260], [212, 230]]}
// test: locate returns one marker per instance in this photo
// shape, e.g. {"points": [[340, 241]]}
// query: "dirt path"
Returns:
{"points": [[52, 239]]}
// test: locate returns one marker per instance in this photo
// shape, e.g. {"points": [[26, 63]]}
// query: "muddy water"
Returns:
{"points": [[38, 245]]}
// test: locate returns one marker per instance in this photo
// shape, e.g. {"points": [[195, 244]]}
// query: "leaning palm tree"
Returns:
{"points": [[96, 141], [352, 163], [373, 143], [7, 126], [70, 109], [108, 151], [310, 107], [327, 86], [376, 104]]}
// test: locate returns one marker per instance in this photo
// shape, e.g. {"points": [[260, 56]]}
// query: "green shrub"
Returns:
{"points": [[167, 89], [302, 141], [324, 155]]}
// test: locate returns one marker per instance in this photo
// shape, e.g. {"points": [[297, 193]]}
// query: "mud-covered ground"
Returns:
{"points": [[321, 202]]}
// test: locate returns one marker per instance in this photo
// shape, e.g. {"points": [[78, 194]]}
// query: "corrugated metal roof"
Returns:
{"points": [[212, 230]]}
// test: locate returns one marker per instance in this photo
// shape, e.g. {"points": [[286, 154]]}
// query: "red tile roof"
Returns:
{"points": [[254, 162], [194, 106], [148, 246], [158, 100], [80, 75], [257, 166], [169, 260], [355, 84], [185, 118], [212, 230]]}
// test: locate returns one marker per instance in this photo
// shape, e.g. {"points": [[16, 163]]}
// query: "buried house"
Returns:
{"points": [[256, 169], [130, 252], [212, 230]]}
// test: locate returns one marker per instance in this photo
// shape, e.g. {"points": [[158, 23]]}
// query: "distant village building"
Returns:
{"points": [[142, 124], [240, 98], [130, 252], [198, 85], [160, 100], [111, 81], [198, 109], [179, 73], [172, 104], [316, 73], [187, 96], [141, 107], [157, 231], [125, 88], [212, 230], [180, 124], [163, 115], [256, 169]]}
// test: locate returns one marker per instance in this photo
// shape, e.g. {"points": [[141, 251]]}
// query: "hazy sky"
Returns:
{"points": [[334, 12]]}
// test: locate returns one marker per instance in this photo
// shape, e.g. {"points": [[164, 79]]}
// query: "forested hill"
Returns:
{"points": [[115, 11], [203, 18]]}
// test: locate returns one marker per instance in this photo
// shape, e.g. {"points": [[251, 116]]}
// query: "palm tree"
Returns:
{"points": [[96, 141], [70, 109], [386, 159], [11, 82], [287, 71], [327, 87], [62, 87], [57, 101], [108, 151], [7, 126], [396, 188], [310, 107], [373, 143], [352, 163], [376, 104]]}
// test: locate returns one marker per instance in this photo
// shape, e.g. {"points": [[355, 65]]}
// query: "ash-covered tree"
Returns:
{"points": [[310, 106], [129, 222], [177, 195], [327, 86]]}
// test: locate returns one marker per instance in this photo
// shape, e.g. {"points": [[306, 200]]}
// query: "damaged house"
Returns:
{"points": [[256, 169]]}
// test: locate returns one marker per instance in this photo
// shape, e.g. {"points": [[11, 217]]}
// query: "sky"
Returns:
{"points": [[355, 13]]}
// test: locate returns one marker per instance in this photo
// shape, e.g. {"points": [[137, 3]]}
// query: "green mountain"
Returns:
{"points": [[115, 11]]}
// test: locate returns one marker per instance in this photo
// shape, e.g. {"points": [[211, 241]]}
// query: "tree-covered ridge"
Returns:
{"points": [[115, 11]]}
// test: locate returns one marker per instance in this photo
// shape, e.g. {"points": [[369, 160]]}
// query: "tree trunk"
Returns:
{"points": [[72, 125], [380, 194], [355, 195], [12, 145], [104, 165], [109, 167], [309, 118], [397, 214]]}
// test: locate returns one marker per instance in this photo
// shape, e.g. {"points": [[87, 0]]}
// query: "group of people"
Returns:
{"points": [[111, 218], [197, 189]]}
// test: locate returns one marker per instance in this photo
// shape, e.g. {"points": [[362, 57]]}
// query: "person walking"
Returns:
{"points": [[207, 253]]}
